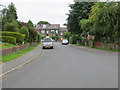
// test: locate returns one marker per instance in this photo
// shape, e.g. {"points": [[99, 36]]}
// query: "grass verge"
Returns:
{"points": [[107, 49], [28, 49], [97, 48], [15, 55]]}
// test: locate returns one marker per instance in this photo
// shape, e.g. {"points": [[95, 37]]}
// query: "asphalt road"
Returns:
{"points": [[67, 67]]}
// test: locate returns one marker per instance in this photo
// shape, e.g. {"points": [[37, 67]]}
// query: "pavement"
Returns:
{"points": [[21, 61], [65, 66]]}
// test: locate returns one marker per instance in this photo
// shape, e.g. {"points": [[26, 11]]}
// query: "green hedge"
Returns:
{"points": [[8, 39], [74, 39], [19, 37]]}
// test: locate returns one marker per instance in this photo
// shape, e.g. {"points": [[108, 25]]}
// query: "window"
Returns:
{"points": [[44, 26], [52, 31], [42, 31], [47, 32], [61, 33], [57, 31]]}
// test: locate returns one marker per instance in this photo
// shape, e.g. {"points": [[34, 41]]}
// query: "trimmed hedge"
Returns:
{"points": [[8, 39], [74, 39], [19, 37]]}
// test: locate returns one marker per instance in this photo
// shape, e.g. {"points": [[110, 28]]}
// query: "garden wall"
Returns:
{"points": [[15, 49], [102, 45]]}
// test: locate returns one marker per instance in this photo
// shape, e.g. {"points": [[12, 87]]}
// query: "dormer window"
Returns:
{"points": [[44, 26]]}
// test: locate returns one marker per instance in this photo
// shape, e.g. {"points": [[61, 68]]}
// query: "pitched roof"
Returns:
{"points": [[63, 29], [48, 26]]}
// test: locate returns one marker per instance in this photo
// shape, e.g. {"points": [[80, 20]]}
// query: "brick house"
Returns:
{"points": [[51, 29]]}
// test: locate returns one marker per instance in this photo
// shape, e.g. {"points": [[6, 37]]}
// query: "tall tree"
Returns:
{"points": [[9, 15], [78, 12]]}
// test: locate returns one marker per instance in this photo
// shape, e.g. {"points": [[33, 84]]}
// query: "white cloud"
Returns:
{"points": [[50, 10]]}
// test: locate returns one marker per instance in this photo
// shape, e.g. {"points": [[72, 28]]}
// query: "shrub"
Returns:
{"points": [[8, 39], [39, 37], [24, 30], [12, 26], [19, 37], [74, 39]]}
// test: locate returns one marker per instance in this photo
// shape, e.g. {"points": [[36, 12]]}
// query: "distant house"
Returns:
{"points": [[51, 29]]}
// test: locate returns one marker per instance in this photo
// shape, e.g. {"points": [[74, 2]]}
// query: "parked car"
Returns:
{"points": [[47, 43], [64, 42]]}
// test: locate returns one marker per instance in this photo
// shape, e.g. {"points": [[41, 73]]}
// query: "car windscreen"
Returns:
{"points": [[47, 40]]}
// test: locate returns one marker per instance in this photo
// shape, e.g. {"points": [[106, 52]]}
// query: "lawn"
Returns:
{"points": [[15, 55], [6, 45], [9, 57]]}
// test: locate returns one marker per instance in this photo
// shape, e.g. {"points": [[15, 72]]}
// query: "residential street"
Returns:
{"points": [[67, 67]]}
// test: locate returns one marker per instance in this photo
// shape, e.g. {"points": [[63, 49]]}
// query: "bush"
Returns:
{"points": [[74, 39], [24, 30], [19, 37], [39, 37], [8, 39], [12, 26]]}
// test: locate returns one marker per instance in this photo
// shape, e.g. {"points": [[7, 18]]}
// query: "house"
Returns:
{"points": [[51, 29]]}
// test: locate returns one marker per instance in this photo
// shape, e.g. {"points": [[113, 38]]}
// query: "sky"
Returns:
{"points": [[53, 11]]}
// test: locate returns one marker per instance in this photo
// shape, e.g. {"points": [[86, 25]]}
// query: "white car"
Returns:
{"points": [[47, 43], [64, 42]]}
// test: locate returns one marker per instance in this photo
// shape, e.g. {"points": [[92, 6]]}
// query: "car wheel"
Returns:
{"points": [[43, 47], [51, 47]]}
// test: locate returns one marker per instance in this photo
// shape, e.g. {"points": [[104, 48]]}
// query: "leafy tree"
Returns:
{"points": [[33, 33], [24, 30], [9, 13], [9, 18], [66, 35], [43, 22], [105, 21], [12, 26], [86, 26], [78, 12]]}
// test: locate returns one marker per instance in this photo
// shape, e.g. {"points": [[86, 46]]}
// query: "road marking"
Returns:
{"points": [[19, 66]]}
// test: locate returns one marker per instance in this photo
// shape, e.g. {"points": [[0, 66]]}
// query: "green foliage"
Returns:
{"points": [[43, 22], [78, 12], [105, 21], [12, 26], [24, 30], [19, 37], [86, 26], [33, 33], [39, 37], [75, 39], [9, 14], [6, 45], [66, 35], [8, 39]]}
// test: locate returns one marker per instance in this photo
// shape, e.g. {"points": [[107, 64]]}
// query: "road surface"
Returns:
{"points": [[67, 67]]}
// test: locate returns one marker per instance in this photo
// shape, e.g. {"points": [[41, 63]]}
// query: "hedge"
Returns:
{"points": [[8, 39], [74, 39], [19, 37]]}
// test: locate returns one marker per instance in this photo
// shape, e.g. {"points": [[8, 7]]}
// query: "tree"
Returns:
{"points": [[78, 12], [43, 22], [12, 26], [24, 30], [33, 33], [9, 13], [66, 35], [105, 21], [9, 18]]}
